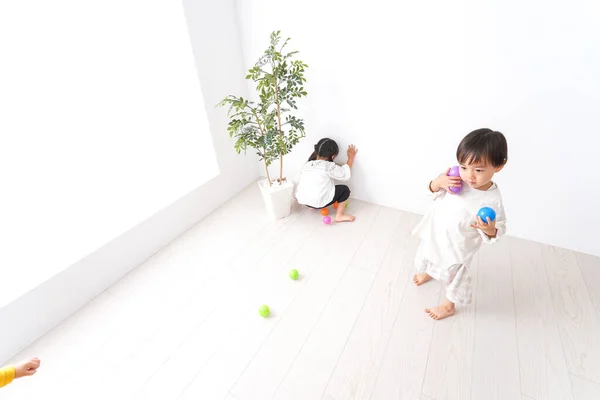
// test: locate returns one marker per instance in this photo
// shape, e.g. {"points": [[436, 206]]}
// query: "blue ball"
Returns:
{"points": [[486, 212]]}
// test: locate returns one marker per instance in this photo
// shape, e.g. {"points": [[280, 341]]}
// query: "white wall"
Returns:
{"points": [[103, 125], [218, 60], [405, 81]]}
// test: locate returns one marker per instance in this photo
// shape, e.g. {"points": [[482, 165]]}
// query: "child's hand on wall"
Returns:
{"points": [[352, 150]]}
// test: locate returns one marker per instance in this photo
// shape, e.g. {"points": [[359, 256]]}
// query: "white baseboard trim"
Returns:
{"points": [[36, 312]]}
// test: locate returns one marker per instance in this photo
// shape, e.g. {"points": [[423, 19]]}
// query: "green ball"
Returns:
{"points": [[264, 311], [294, 274]]}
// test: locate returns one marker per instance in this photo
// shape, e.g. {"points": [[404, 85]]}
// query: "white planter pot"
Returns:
{"points": [[277, 198]]}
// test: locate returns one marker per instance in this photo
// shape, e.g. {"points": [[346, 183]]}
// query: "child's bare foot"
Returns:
{"points": [[446, 309], [345, 218], [420, 279], [340, 216]]}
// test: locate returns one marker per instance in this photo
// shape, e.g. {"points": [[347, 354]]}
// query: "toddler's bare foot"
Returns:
{"points": [[420, 279], [446, 309], [344, 218]]}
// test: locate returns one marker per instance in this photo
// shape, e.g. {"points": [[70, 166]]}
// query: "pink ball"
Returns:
{"points": [[455, 171], [327, 220]]}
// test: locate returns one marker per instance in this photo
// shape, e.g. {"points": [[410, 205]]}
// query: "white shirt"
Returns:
{"points": [[315, 186], [446, 234]]}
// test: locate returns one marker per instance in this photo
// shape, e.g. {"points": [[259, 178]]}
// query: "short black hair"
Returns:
{"points": [[326, 148], [483, 145]]}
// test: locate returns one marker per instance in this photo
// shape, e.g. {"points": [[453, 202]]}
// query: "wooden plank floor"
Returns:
{"points": [[184, 324]]}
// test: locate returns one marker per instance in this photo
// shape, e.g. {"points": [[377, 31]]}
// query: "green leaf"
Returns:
{"points": [[278, 78]]}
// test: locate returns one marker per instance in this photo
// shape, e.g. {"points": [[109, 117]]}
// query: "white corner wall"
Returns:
{"points": [[217, 50], [405, 81]]}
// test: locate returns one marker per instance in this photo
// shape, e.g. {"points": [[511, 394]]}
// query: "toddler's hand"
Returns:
{"points": [[489, 228], [445, 182], [27, 368], [352, 150]]}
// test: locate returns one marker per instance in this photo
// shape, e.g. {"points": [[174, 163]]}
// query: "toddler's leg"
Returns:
{"points": [[458, 290], [340, 216], [342, 193], [423, 266]]}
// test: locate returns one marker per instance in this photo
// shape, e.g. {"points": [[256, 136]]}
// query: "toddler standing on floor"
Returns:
{"points": [[315, 187], [451, 233]]}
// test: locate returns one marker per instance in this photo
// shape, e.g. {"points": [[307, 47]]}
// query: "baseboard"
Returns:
{"points": [[36, 312]]}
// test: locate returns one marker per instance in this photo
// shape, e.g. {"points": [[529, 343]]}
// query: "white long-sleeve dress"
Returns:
{"points": [[448, 242]]}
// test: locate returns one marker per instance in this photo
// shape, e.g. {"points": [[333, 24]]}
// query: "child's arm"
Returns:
{"points": [[343, 173], [7, 375], [352, 150], [24, 368], [340, 173]]}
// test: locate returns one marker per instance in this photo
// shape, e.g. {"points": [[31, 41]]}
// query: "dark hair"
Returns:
{"points": [[326, 148], [483, 145]]}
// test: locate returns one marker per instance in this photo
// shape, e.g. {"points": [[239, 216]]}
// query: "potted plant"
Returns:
{"points": [[267, 124]]}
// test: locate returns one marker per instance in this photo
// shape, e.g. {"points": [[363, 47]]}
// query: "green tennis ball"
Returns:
{"points": [[294, 274], [264, 311]]}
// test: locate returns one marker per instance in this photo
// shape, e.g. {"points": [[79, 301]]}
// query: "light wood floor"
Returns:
{"points": [[184, 325]]}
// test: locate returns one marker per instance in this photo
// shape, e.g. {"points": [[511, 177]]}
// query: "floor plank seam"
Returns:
{"points": [[401, 302], [326, 303], [435, 324], [289, 226], [584, 378], [274, 327], [560, 334], [282, 314], [589, 292], [178, 347], [182, 393], [474, 331], [510, 260], [383, 259]]}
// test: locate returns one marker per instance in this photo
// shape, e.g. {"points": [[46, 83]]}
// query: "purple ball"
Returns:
{"points": [[327, 220], [455, 171]]}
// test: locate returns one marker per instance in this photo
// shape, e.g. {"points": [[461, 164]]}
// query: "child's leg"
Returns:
{"points": [[425, 269], [342, 193], [341, 217], [458, 290], [421, 276]]}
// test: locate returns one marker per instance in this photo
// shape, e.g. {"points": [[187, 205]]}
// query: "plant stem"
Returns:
{"points": [[280, 132], [264, 149], [267, 169]]}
